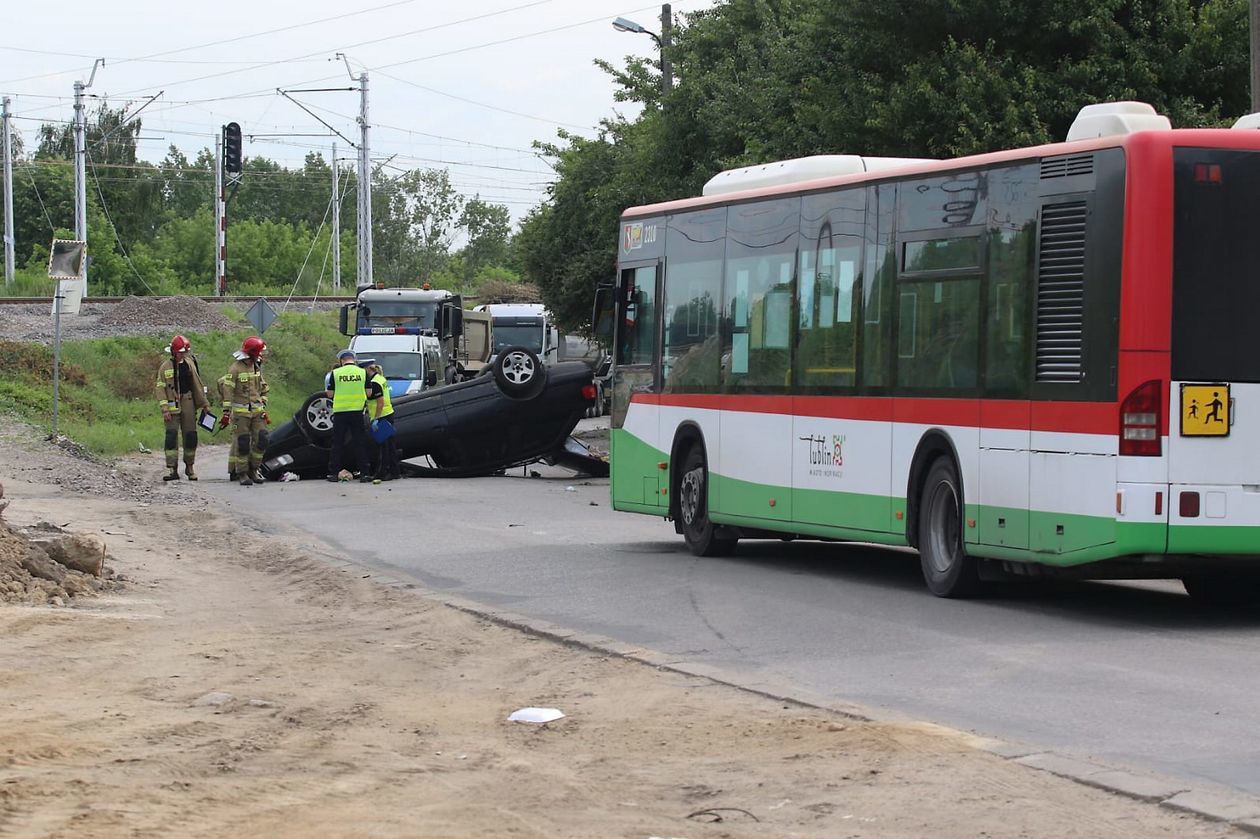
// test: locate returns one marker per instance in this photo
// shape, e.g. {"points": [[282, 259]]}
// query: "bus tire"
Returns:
{"points": [[947, 569], [699, 533], [1222, 588]]}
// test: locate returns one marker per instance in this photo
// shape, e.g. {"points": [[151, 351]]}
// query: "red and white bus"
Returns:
{"points": [[1040, 360]]}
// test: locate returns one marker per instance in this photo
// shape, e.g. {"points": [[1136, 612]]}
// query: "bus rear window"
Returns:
{"points": [[1216, 255]]}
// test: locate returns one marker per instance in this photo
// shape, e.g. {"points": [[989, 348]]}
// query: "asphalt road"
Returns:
{"points": [[1133, 674]]}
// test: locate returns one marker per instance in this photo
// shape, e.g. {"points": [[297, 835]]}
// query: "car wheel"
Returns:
{"points": [[315, 417], [699, 533], [518, 372], [947, 569]]}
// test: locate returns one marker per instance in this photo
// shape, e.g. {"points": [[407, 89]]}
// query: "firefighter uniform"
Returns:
{"points": [[181, 398], [225, 397], [245, 401]]}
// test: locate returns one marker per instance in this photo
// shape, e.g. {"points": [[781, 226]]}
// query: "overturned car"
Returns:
{"points": [[517, 411]]}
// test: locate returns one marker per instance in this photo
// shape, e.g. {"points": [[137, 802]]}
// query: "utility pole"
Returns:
{"points": [[8, 195], [667, 67], [336, 222], [365, 186], [1255, 56], [78, 288], [220, 220], [365, 178]]}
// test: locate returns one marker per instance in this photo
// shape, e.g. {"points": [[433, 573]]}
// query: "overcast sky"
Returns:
{"points": [[466, 86]]}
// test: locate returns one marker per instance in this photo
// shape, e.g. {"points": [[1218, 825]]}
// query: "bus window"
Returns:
{"points": [[880, 274], [636, 335], [829, 277], [691, 356], [937, 345], [759, 288], [1013, 199]]}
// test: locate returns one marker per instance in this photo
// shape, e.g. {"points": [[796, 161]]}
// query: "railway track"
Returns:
{"points": [[210, 299]]}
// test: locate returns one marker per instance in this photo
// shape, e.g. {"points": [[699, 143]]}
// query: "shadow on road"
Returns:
{"points": [[1149, 603]]}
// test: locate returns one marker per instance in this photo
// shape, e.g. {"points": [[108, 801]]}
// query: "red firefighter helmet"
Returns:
{"points": [[253, 347], [180, 344]]}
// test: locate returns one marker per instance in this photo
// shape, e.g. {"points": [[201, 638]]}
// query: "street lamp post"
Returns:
{"points": [[663, 40]]}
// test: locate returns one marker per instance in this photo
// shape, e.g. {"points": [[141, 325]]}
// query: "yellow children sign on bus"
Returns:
{"points": [[1205, 410]]}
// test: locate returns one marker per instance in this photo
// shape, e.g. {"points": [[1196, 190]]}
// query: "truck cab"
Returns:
{"points": [[526, 325]]}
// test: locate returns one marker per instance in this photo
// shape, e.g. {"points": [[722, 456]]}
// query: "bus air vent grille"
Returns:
{"points": [[1061, 292], [1067, 166]]}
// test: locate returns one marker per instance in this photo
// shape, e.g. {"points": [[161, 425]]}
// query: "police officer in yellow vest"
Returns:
{"points": [[390, 467], [350, 390]]}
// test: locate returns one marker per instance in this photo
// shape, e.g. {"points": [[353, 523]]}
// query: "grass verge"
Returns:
{"points": [[107, 401]]}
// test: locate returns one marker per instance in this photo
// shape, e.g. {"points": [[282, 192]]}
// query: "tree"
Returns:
{"points": [[761, 80], [487, 227]]}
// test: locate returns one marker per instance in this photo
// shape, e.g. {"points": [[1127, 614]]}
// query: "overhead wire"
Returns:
{"points": [[117, 237]]}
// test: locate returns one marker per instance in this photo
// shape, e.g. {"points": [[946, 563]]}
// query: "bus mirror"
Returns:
{"points": [[602, 314], [343, 320]]}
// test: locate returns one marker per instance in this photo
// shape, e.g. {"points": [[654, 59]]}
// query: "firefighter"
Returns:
{"points": [[245, 407], [182, 398]]}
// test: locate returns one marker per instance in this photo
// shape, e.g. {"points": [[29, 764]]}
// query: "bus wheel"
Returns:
{"points": [[693, 493], [1223, 588], [947, 569]]}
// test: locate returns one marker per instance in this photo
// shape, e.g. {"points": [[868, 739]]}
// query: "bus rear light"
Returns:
{"points": [[589, 393], [1188, 506], [1140, 426]]}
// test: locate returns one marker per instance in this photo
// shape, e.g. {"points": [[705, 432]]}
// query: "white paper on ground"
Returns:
{"points": [[535, 715]]}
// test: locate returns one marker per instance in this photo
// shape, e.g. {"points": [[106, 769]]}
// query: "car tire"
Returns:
{"points": [[699, 533], [315, 417], [519, 373], [947, 569]]}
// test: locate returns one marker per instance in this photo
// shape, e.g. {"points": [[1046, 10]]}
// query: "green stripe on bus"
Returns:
{"points": [[1209, 539]]}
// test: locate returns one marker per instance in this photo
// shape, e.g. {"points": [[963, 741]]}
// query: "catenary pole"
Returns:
{"points": [[80, 169], [667, 66], [336, 223], [8, 195], [220, 226], [365, 186], [1255, 55]]}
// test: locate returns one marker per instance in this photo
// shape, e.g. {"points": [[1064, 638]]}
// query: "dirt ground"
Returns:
{"points": [[244, 684]]}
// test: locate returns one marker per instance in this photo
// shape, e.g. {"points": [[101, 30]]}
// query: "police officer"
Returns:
{"points": [[245, 406], [182, 398], [350, 390], [390, 467]]}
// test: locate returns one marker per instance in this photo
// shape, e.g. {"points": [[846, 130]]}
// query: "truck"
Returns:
{"points": [[405, 324], [527, 325]]}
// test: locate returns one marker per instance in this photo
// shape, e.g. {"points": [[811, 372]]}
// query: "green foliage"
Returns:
{"points": [[761, 80], [107, 398]]}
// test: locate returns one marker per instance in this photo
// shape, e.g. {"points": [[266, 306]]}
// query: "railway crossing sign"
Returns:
{"points": [[261, 315]]}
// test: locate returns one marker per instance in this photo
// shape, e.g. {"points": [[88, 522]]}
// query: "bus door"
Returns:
{"points": [[635, 449], [1214, 398]]}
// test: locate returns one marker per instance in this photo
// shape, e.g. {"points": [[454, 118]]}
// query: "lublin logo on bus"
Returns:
{"points": [[825, 461], [634, 236]]}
